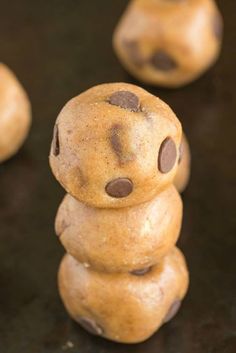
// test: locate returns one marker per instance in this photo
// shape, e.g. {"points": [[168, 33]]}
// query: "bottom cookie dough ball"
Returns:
{"points": [[15, 114], [124, 307], [183, 172]]}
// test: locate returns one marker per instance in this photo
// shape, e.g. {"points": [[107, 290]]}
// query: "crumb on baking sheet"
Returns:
{"points": [[68, 345]]}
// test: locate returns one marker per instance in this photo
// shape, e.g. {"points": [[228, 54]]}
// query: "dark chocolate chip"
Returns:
{"points": [[141, 272], [218, 26], [167, 155], [119, 188], [124, 155], [133, 51], [163, 61], [90, 325], [172, 311], [181, 152], [55, 141], [125, 99]]}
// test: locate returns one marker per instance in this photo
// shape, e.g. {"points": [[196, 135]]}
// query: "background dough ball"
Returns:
{"points": [[123, 239], [123, 307], [169, 43], [184, 170], [115, 145], [15, 114]]}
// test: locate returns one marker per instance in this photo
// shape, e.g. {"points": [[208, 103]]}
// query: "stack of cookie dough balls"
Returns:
{"points": [[169, 43], [116, 150], [15, 114]]}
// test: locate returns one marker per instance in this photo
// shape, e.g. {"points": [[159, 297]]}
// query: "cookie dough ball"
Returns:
{"points": [[123, 307], [169, 43], [15, 114], [115, 145], [183, 173], [123, 239]]}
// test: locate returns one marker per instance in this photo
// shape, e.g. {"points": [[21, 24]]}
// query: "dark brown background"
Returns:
{"points": [[58, 49]]}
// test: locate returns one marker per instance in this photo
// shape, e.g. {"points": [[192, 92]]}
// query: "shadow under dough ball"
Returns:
{"points": [[169, 43], [15, 114]]}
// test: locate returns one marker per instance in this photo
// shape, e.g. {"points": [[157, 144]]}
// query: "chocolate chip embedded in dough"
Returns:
{"points": [[141, 272], [163, 61], [55, 141], [172, 311], [115, 141], [90, 325], [119, 188], [167, 155], [126, 100]]}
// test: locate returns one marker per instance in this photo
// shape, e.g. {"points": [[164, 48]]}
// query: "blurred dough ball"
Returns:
{"points": [[169, 43], [15, 114], [183, 173]]}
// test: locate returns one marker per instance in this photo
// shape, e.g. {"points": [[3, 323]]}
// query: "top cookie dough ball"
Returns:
{"points": [[15, 113], [169, 42], [115, 145]]}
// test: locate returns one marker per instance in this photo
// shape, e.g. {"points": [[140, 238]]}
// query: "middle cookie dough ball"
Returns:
{"points": [[121, 240], [115, 145], [123, 307]]}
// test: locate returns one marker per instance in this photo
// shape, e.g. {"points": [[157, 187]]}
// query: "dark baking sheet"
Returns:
{"points": [[58, 49]]}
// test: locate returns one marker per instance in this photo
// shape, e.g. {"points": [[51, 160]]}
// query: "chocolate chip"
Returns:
{"points": [[90, 325], [167, 155], [126, 100], [181, 152], [133, 51], [218, 27], [55, 141], [162, 61], [141, 272], [119, 188], [172, 311]]}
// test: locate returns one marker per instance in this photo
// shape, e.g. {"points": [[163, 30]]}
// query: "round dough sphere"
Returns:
{"points": [[123, 239], [15, 114], [183, 174], [115, 145], [123, 307], [169, 43]]}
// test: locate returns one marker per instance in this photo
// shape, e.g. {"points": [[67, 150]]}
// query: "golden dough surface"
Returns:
{"points": [[184, 170]]}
